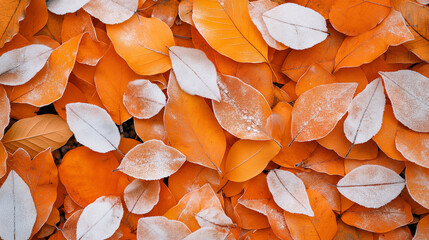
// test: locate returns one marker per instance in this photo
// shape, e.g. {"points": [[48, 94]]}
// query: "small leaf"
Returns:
{"points": [[12, 13], [296, 26], [161, 228], [417, 178], [289, 192], [214, 218], [111, 11], [143, 99], [37, 133], [195, 73], [18, 212], [141, 196], [371, 186], [413, 146], [407, 90], [100, 219], [207, 233], [317, 111], [20, 65], [151, 160], [92, 127], [61, 7], [365, 113], [5, 110]]}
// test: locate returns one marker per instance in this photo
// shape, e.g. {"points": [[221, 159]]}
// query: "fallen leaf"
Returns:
{"points": [[413, 146], [416, 177], [111, 11], [13, 13], [92, 127], [161, 228], [296, 26], [61, 7]]}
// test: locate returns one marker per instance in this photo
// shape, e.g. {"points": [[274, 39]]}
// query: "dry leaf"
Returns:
{"points": [[111, 11], [61, 7], [161, 228]]}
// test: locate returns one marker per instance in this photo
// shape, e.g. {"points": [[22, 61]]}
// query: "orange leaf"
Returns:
{"points": [[413, 146], [12, 13]]}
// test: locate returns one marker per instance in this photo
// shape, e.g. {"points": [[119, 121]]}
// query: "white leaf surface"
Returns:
{"points": [[365, 113], [152, 160], [408, 92], [112, 11], [296, 26], [195, 73], [141, 196], [256, 10], [18, 66], [289, 192], [17, 209], [61, 7], [100, 219], [207, 233], [371, 186], [213, 218], [143, 99], [93, 127], [161, 228]]}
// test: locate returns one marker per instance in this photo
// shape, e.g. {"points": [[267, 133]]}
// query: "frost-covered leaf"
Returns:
{"points": [[214, 218], [20, 65], [18, 213], [289, 192], [61, 7], [242, 118], [207, 233], [111, 11], [417, 178], [317, 111], [161, 228], [408, 92], [100, 219], [92, 127], [140, 196], [152, 160], [256, 10], [296, 26], [365, 113], [143, 99], [371, 186], [195, 73], [413, 145]]}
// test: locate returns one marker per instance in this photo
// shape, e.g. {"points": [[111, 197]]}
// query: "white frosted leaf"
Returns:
{"points": [[112, 11], [296, 26], [371, 186], [289, 192], [161, 228], [100, 219], [195, 73], [93, 127], [152, 160], [408, 92], [141, 196], [61, 7], [207, 233], [18, 66], [256, 9], [365, 113], [143, 99], [214, 218], [17, 210]]}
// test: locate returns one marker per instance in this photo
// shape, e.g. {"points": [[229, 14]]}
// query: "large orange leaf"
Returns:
{"points": [[317, 111], [50, 83], [358, 16], [227, 27], [88, 175], [422, 230], [37, 133], [322, 226], [413, 146], [367, 46], [196, 134], [142, 43], [243, 119], [12, 13], [395, 214], [112, 76], [36, 17]]}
